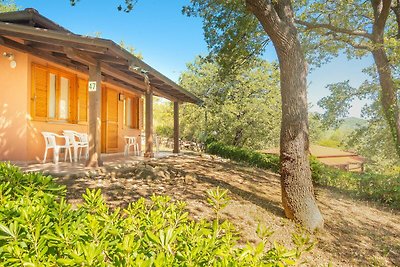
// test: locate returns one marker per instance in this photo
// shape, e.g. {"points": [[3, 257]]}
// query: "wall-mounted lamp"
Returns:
{"points": [[10, 57], [121, 97]]}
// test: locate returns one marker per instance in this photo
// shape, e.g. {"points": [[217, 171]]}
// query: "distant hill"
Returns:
{"points": [[335, 137], [350, 124]]}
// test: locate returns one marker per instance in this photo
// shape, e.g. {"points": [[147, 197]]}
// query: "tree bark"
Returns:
{"points": [[297, 189], [388, 95]]}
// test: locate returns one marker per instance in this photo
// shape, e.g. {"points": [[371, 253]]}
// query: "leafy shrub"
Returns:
{"points": [[39, 228], [377, 187], [165, 131], [253, 158]]}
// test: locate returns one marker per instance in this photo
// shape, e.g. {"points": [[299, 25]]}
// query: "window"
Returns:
{"points": [[64, 99], [52, 96], [57, 96], [132, 112]]}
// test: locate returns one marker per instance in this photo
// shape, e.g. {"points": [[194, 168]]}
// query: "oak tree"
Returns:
{"points": [[237, 30], [359, 28]]}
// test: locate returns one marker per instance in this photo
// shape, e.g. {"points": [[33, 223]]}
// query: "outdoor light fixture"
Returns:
{"points": [[10, 57], [121, 97], [137, 69], [133, 68]]}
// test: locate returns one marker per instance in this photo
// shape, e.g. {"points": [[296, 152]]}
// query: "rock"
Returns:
{"points": [[190, 178]]}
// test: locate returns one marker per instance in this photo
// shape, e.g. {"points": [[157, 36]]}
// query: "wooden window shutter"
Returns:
{"points": [[135, 113], [39, 100], [73, 99], [82, 100], [141, 114]]}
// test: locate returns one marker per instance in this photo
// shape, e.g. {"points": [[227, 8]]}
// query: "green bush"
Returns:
{"points": [[165, 131], [244, 155], [39, 228], [377, 187]]}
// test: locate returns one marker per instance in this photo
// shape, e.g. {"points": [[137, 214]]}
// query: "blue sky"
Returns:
{"points": [[168, 40]]}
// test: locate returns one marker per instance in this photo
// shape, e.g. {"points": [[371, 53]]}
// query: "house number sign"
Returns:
{"points": [[92, 86]]}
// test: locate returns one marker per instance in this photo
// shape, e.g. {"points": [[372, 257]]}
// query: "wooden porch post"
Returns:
{"points": [[176, 127], [94, 116], [149, 120]]}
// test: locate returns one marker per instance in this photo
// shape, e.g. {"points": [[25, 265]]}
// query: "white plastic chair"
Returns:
{"points": [[78, 141], [131, 141], [156, 142], [84, 140], [51, 143]]}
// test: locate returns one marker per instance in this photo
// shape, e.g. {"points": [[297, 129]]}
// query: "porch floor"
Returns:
{"points": [[110, 161]]}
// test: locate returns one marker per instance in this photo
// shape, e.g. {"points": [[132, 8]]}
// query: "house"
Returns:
{"points": [[333, 157], [53, 80]]}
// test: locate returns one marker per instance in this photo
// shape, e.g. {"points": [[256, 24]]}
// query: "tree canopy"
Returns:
{"points": [[242, 110]]}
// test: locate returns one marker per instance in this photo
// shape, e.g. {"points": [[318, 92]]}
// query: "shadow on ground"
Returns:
{"points": [[356, 232]]}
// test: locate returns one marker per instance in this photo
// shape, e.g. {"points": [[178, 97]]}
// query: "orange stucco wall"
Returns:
{"points": [[13, 106], [20, 135]]}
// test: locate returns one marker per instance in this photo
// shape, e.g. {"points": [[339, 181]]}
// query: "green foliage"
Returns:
{"points": [[163, 117], [39, 228], [337, 103], [234, 36], [372, 138], [248, 156], [218, 199], [377, 187], [241, 110], [7, 6], [373, 186], [366, 27], [374, 142]]}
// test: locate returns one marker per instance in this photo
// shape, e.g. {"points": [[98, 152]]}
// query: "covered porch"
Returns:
{"points": [[102, 62], [111, 162]]}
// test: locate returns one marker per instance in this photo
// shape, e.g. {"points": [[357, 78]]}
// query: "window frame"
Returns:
{"points": [[73, 116], [135, 102]]}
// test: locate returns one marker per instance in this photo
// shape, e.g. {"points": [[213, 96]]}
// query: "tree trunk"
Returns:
{"points": [[388, 95], [297, 189]]}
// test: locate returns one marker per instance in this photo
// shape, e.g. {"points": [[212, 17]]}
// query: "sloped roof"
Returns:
{"points": [[345, 160], [28, 31], [323, 152]]}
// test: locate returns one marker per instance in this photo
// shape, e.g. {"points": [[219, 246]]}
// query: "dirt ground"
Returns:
{"points": [[357, 233]]}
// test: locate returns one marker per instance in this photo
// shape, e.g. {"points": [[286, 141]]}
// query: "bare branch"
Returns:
{"points": [[351, 42], [313, 26]]}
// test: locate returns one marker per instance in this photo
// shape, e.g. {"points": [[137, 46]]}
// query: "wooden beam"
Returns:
{"points": [[176, 127], [79, 56], [59, 48], [45, 47], [42, 54], [149, 122], [122, 85], [111, 59], [95, 118], [55, 37], [120, 75]]}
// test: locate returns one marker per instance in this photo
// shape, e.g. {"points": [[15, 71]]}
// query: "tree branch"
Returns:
{"points": [[381, 13], [313, 25], [396, 10]]}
